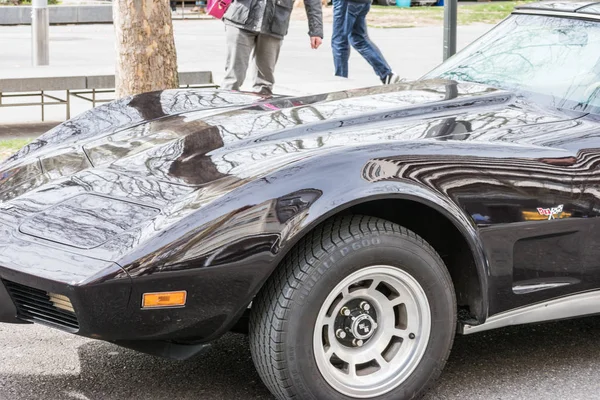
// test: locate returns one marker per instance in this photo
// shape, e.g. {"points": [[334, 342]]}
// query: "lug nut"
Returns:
{"points": [[340, 334], [345, 311], [357, 343], [365, 306], [411, 336]]}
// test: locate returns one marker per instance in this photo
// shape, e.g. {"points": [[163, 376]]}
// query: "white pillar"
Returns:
{"points": [[40, 23]]}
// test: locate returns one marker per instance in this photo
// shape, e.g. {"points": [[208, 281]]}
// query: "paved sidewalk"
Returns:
{"points": [[24, 130], [200, 45]]}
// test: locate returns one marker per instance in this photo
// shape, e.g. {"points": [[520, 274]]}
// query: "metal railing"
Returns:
{"points": [[88, 88]]}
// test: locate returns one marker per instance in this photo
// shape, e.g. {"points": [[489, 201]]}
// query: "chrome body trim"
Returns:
{"points": [[577, 305], [524, 289]]}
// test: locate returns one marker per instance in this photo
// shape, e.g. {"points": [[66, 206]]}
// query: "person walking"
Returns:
{"points": [[350, 28], [256, 28]]}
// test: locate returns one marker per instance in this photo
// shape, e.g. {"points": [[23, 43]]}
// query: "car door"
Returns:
{"points": [[539, 222]]}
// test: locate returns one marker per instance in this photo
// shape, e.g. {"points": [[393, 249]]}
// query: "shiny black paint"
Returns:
{"points": [[207, 191]]}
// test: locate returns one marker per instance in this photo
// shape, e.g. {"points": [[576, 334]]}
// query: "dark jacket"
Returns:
{"points": [[272, 17]]}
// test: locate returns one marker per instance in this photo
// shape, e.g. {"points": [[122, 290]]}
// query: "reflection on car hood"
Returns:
{"points": [[153, 150]]}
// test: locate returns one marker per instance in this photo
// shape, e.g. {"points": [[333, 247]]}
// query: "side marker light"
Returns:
{"points": [[164, 299]]}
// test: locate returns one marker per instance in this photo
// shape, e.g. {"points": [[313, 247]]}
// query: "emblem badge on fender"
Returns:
{"points": [[551, 213]]}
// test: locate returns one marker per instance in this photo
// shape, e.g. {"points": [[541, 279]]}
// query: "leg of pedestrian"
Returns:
{"points": [[359, 38], [266, 54], [240, 44], [340, 45]]}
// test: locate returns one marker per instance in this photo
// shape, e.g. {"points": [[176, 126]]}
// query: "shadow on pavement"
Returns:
{"points": [[555, 360], [493, 360], [108, 372]]}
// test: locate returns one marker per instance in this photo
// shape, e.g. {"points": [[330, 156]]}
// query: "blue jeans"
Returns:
{"points": [[350, 28]]}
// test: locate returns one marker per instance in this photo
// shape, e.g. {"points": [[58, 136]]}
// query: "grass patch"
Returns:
{"points": [[484, 13], [396, 17], [8, 147]]}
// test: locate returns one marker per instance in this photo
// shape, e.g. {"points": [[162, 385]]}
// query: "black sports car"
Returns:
{"points": [[352, 233]]}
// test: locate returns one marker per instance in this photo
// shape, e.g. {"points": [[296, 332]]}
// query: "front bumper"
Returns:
{"points": [[109, 308], [24, 304], [106, 300], [98, 308]]}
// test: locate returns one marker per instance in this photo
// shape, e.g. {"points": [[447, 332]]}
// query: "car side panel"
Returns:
{"points": [[537, 215], [254, 226], [223, 251]]}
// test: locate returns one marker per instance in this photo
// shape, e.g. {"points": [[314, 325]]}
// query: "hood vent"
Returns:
{"points": [[36, 305], [61, 302]]}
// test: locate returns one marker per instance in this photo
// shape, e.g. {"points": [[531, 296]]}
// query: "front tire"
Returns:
{"points": [[360, 308]]}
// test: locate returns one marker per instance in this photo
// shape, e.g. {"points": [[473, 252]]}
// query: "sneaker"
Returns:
{"points": [[265, 91], [391, 79]]}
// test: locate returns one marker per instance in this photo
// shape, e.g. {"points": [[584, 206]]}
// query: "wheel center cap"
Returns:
{"points": [[363, 327]]}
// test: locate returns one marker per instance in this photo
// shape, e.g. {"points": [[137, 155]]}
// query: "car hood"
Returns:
{"points": [[119, 167]]}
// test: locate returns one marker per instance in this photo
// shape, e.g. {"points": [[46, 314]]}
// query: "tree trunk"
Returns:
{"points": [[146, 55]]}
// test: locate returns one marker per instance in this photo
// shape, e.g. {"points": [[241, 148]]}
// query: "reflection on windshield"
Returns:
{"points": [[557, 58]]}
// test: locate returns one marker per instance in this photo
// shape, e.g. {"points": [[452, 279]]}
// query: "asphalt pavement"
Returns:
{"points": [[553, 361]]}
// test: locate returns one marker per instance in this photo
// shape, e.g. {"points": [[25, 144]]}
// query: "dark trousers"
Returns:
{"points": [[350, 28]]}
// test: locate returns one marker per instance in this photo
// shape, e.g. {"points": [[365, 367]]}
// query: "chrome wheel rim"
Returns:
{"points": [[375, 355]]}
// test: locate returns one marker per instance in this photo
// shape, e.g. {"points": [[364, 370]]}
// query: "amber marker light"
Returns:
{"points": [[164, 299]]}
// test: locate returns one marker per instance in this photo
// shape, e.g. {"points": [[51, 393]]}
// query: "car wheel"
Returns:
{"points": [[361, 308]]}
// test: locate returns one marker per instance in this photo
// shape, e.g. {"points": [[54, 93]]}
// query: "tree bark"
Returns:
{"points": [[145, 46]]}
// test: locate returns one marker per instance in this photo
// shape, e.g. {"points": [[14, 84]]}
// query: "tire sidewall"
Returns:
{"points": [[362, 251]]}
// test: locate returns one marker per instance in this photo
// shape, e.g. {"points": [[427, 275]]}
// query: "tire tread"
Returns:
{"points": [[272, 304]]}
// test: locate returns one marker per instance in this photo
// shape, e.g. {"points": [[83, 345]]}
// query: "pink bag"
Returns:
{"points": [[217, 8]]}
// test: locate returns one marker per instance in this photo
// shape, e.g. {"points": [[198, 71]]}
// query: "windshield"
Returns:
{"points": [[557, 60]]}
